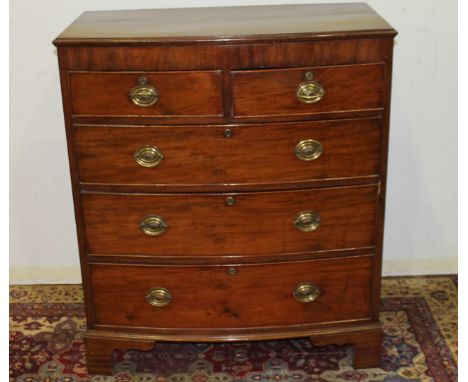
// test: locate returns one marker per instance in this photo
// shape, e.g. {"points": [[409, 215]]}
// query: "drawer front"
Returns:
{"points": [[190, 155], [327, 88], [240, 224], [131, 94], [219, 297]]}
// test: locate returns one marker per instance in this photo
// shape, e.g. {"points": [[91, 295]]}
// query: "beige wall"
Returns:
{"points": [[421, 226]]}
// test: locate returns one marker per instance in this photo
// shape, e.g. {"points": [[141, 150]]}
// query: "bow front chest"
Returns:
{"points": [[228, 169]]}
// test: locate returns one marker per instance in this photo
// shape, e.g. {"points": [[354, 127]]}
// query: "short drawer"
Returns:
{"points": [[307, 91], [237, 296], [236, 154], [230, 224], [146, 94]]}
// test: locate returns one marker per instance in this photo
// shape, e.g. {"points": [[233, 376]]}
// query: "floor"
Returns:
{"points": [[419, 316]]}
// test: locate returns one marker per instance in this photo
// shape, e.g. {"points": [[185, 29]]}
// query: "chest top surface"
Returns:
{"points": [[225, 24]]}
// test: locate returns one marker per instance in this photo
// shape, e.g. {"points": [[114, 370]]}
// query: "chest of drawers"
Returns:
{"points": [[228, 169]]}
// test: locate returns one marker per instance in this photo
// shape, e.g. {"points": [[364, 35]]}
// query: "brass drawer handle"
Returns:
{"points": [[158, 297], [308, 149], [306, 292], [310, 91], [307, 221], [148, 156], [144, 95], [153, 225]]}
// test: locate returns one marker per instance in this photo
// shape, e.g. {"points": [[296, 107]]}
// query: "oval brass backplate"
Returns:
{"points": [[153, 225], [307, 221], [148, 156], [310, 91], [158, 297], [306, 292], [308, 149], [144, 95]]}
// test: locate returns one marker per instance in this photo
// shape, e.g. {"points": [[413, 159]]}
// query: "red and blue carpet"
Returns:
{"points": [[419, 315]]}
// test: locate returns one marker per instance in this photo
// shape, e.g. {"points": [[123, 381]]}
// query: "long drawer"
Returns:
{"points": [[236, 154], [244, 296], [230, 224], [308, 91]]}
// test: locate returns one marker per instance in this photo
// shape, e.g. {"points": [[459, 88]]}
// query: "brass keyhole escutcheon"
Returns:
{"points": [[158, 297], [306, 292], [307, 221], [153, 225], [230, 201], [148, 156], [144, 95], [232, 271], [308, 149], [228, 133]]}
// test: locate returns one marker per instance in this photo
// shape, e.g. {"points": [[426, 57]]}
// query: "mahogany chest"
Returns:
{"points": [[228, 169]]}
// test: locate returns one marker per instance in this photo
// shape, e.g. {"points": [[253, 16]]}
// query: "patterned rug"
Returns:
{"points": [[419, 315]]}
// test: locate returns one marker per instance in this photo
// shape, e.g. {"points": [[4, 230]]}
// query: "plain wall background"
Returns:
{"points": [[421, 218]]}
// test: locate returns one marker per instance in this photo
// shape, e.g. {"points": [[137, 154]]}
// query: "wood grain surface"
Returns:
{"points": [[180, 93], [257, 223], [273, 92], [225, 24], [234, 56], [254, 154], [208, 297]]}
